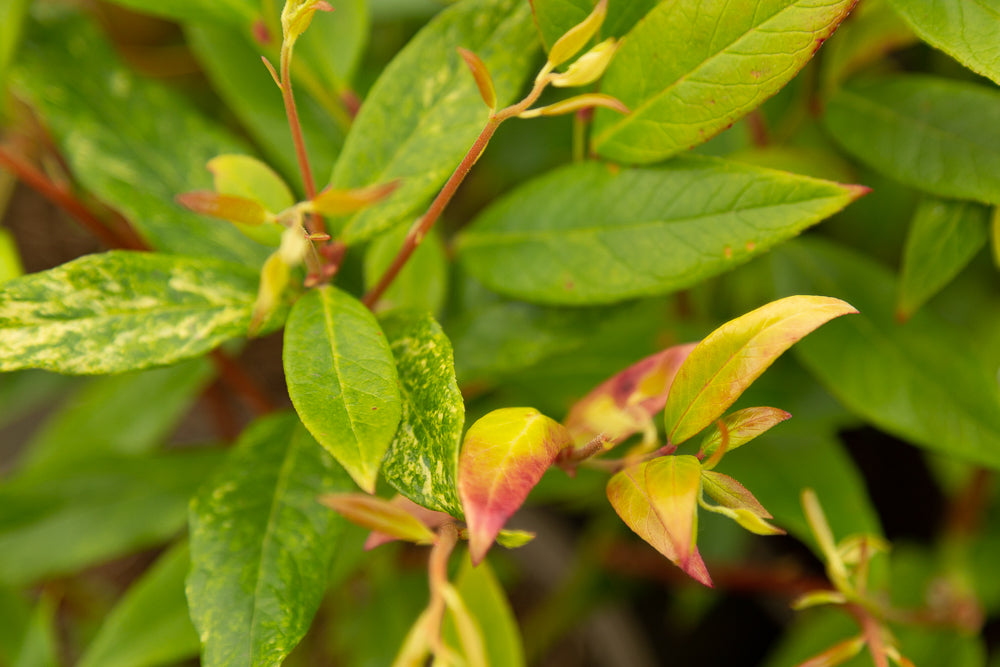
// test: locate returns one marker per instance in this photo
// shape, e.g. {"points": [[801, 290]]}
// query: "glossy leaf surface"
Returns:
{"points": [[741, 427], [342, 380], [419, 133], [691, 68], [504, 455], [938, 135], [261, 545], [422, 461], [121, 311], [730, 358], [591, 233]]}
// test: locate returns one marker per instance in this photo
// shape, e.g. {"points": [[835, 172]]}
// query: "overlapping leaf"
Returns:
{"points": [[741, 427], [423, 281], [555, 17]]}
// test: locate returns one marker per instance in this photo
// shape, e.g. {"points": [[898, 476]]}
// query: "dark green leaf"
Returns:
{"points": [[944, 236], [121, 311], [150, 625], [14, 618], [918, 381], [342, 380], [938, 135], [592, 233], [59, 520], [27, 392], [423, 282], [692, 68], [261, 545], [555, 17], [39, 647], [872, 31], [419, 132], [422, 461]]}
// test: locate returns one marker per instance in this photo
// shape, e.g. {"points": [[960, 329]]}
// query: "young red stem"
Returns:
{"points": [[316, 224]]}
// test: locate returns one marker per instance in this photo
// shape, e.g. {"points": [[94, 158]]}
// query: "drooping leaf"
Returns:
{"points": [[658, 500], [419, 133], [342, 380], [741, 427], [261, 545], [121, 311], [504, 455], [730, 358], [944, 236], [938, 135], [703, 66], [132, 142], [918, 380], [422, 461], [591, 233], [964, 29], [58, 520], [423, 282], [487, 603], [555, 17], [150, 625]]}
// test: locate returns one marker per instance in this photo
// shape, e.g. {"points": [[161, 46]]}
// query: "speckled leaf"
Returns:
{"points": [[939, 135], [591, 233], [122, 310], [555, 17], [504, 455], [422, 461], [691, 68], [261, 545], [424, 112], [944, 236], [741, 427], [342, 380], [132, 142], [730, 358]]}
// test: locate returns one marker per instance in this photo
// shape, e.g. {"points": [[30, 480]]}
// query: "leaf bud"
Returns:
{"points": [[577, 37], [589, 67], [294, 245], [297, 15], [482, 76], [577, 103], [274, 279]]}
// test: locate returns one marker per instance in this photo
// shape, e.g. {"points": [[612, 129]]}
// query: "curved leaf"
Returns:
{"points": [[555, 17], [342, 380], [742, 426]]}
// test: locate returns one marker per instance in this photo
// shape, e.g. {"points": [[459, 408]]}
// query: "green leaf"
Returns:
{"points": [[742, 426], [150, 625], [419, 133], [944, 237], [12, 13], [246, 176], [386, 519], [132, 142], [262, 546], [964, 29], [703, 66], [40, 646], [917, 381], [730, 358], [423, 282], [873, 31], [591, 233], [422, 461], [555, 17], [488, 605], [342, 380], [334, 43], [61, 519], [234, 12], [121, 311], [934, 134], [10, 258], [14, 618]]}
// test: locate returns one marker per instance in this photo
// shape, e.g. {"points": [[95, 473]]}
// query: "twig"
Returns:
{"points": [[236, 377]]}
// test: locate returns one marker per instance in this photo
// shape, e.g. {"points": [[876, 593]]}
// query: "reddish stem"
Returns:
{"points": [[238, 380], [316, 224]]}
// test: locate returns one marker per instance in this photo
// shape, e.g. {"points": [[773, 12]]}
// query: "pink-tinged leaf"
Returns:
{"points": [[482, 77], [504, 455], [578, 103], [226, 207], [740, 428], [658, 501], [626, 403], [429, 518], [379, 515], [340, 202], [725, 363]]}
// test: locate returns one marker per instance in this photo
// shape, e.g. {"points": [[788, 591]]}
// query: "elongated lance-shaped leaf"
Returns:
{"points": [[121, 311], [342, 380], [419, 133], [730, 358], [504, 455], [737, 503], [555, 17], [422, 461], [658, 500], [705, 65], [379, 515], [590, 233], [741, 427], [261, 545]]}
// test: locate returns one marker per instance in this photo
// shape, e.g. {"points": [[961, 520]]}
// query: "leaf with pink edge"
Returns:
{"points": [[741, 427], [379, 515]]}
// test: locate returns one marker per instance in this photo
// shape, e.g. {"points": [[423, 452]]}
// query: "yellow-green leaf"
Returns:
{"points": [[379, 515], [741, 427]]}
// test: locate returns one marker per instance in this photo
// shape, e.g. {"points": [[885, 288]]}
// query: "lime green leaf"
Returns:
{"points": [[487, 603], [10, 258], [150, 625], [40, 647], [514, 539], [995, 235], [964, 29], [703, 66], [573, 40], [741, 427], [736, 502], [342, 380], [246, 176], [944, 236], [592, 233], [132, 142], [121, 311], [419, 133], [907, 127], [730, 358], [12, 13], [504, 455], [234, 12], [381, 516], [422, 461], [917, 381], [658, 500], [423, 282], [555, 17], [262, 546], [58, 520]]}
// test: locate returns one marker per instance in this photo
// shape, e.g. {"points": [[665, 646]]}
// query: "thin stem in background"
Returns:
{"points": [[237, 378], [316, 225]]}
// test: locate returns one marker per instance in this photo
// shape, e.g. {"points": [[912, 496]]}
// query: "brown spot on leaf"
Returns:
{"points": [[728, 252], [750, 246]]}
